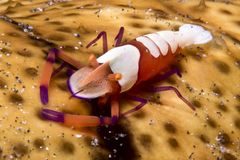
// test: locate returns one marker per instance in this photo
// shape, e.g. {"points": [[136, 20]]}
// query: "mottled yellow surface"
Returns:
{"points": [[165, 129]]}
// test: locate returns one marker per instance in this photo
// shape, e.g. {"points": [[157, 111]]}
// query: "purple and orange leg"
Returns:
{"points": [[114, 109], [48, 71], [136, 108], [83, 120], [171, 88], [118, 38], [168, 74], [76, 121], [46, 76], [102, 34]]}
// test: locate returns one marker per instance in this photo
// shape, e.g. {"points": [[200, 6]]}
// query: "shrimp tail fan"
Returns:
{"points": [[193, 34]]}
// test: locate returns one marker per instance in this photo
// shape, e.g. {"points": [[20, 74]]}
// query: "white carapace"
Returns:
{"points": [[125, 59]]}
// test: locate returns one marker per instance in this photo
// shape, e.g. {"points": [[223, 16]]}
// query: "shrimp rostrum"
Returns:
{"points": [[119, 70]]}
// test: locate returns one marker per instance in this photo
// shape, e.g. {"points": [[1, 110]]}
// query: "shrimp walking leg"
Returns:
{"points": [[83, 120], [118, 38], [48, 71], [136, 108], [103, 34], [171, 88]]}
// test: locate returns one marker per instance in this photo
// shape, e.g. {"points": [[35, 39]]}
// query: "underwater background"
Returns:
{"points": [[165, 129]]}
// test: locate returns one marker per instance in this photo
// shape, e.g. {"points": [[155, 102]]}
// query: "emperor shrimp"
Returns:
{"points": [[119, 70]]}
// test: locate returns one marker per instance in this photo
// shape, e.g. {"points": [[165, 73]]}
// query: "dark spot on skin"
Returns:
{"points": [[30, 16], [155, 98], [237, 97], [3, 83], [16, 99], [83, 30], [224, 11], [87, 5], [195, 52], [139, 115], [198, 20], [223, 138], [38, 43], [134, 16], [196, 103], [69, 49], [13, 34], [211, 122], [175, 27], [237, 106], [25, 53], [33, 72], [55, 22], [64, 29], [71, 14], [20, 149], [170, 128], [222, 107], [61, 75], [87, 140], [189, 87], [171, 80], [97, 155], [222, 66], [217, 91], [62, 86], [237, 63], [39, 144], [228, 156], [145, 141], [56, 37], [234, 39], [136, 25], [237, 123], [156, 27], [158, 13], [204, 138], [173, 143], [68, 5], [1, 151], [5, 51], [67, 147], [238, 23]]}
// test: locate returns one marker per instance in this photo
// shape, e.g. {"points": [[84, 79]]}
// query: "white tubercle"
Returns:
{"points": [[171, 38], [150, 45], [162, 44], [124, 60], [193, 34]]}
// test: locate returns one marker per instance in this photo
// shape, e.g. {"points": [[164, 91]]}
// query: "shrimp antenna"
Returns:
{"points": [[73, 94]]}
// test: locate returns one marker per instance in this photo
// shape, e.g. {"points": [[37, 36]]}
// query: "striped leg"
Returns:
{"points": [[48, 71], [102, 34], [171, 88], [138, 107], [83, 120], [114, 109], [75, 120], [118, 38], [168, 74]]}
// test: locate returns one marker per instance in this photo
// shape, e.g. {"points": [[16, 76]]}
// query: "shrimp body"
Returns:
{"points": [[146, 56], [119, 70]]}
